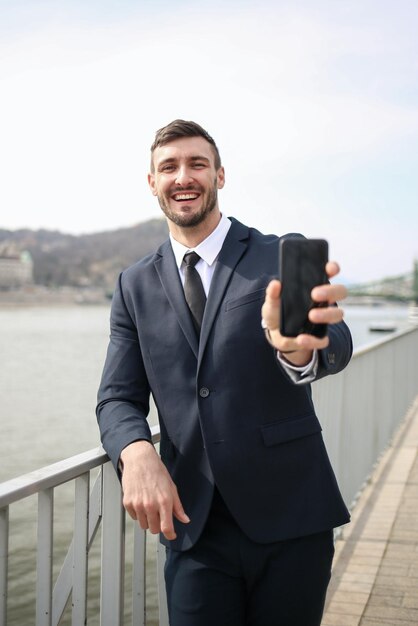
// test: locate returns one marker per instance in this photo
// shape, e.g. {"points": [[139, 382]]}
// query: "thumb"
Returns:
{"points": [[273, 291], [270, 308]]}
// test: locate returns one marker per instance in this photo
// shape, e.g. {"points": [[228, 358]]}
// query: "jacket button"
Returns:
{"points": [[204, 392]]}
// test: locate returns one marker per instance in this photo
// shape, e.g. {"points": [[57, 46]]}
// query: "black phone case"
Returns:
{"points": [[302, 267]]}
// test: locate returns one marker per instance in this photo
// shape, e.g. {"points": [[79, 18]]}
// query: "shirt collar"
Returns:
{"points": [[209, 248]]}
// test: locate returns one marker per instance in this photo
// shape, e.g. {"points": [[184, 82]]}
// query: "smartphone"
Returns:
{"points": [[302, 267]]}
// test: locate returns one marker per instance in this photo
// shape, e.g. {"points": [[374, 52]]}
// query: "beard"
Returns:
{"points": [[186, 220]]}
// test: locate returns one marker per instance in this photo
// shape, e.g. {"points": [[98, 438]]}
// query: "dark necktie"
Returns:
{"points": [[193, 289]]}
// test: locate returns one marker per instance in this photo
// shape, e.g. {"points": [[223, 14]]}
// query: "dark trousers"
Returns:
{"points": [[228, 580]]}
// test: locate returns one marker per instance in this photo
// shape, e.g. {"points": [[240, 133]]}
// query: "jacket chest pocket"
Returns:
{"points": [[248, 298]]}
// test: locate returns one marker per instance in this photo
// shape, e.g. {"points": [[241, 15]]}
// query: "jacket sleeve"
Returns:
{"points": [[123, 396], [336, 356]]}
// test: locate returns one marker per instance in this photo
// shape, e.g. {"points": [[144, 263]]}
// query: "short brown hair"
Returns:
{"points": [[181, 128]]}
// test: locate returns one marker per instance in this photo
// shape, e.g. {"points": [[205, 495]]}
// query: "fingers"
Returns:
{"points": [[169, 508], [149, 518], [156, 514], [149, 494], [310, 342], [160, 518], [328, 315], [329, 293], [178, 511], [332, 269]]}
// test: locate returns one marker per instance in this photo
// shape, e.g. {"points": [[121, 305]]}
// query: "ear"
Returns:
{"points": [[151, 183], [220, 177]]}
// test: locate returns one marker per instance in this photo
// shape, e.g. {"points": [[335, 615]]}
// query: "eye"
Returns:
{"points": [[167, 168], [199, 165]]}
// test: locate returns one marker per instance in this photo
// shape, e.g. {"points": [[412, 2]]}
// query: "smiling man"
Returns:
{"points": [[184, 180], [243, 494], [186, 177]]}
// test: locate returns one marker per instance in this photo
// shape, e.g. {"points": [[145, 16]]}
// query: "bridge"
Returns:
{"points": [[111, 573]]}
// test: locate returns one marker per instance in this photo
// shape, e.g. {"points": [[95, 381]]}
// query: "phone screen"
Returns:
{"points": [[302, 267]]}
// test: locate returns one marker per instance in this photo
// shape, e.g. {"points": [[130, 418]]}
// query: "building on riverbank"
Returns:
{"points": [[16, 268]]}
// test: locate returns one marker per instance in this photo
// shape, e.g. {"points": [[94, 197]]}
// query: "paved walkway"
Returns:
{"points": [[375, 578]]}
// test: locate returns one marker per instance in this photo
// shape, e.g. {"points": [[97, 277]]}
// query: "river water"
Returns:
{"points": [[51, 361]]}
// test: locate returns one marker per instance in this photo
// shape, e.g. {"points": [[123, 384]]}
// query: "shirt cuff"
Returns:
{"points": [[300, 375]]}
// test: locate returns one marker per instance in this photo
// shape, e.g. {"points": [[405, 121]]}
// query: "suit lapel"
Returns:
{"points": [[166, 268], [233, 248]]}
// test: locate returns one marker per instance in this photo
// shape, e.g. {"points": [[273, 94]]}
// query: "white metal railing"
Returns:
{"points": [[359, 408], [100, 507]]}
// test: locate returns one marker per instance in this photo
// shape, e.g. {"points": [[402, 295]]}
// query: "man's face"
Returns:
{"points": [[186, 181]]}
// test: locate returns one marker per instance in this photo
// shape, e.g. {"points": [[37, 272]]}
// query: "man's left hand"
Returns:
{"points": [[298, 350]]}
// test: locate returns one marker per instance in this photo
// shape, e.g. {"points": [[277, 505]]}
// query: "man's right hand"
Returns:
{"points": [[149, 494]]}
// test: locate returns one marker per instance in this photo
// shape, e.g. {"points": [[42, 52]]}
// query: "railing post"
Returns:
{"points": [[64, 583], [81, 538], [113, 562], [138, 577], [162, 596], [44, 558], [4, 552]]}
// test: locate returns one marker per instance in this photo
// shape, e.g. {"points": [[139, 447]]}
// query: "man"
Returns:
{"points": [[243, 495]]}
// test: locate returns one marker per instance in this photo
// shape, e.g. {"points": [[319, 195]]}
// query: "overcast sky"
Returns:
{"points": [[314, 107]]}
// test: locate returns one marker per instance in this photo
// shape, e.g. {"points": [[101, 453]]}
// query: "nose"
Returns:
{"points": [[183, 177]]}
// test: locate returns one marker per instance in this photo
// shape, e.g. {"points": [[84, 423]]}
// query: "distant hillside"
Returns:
{"points": [[96, 260], [403, 287], [86, 260]]}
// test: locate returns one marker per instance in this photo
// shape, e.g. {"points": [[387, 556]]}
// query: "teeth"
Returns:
{"points": [[185, 196]]}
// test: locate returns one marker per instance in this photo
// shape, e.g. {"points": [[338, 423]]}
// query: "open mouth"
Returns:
{"points": [[185, 197]]}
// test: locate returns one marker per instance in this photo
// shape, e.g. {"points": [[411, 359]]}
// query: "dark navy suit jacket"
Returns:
{"points": [[228, 412]]}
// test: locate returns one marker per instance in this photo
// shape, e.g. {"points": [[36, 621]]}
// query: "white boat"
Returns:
{"points": [[383, 327]]}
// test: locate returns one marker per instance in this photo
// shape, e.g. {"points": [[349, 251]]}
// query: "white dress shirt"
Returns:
{"points": [[209, 250]]}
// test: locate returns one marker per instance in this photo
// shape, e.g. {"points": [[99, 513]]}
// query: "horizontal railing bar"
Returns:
{"points": [[376, 344], [55, 474], [50, 476]]}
